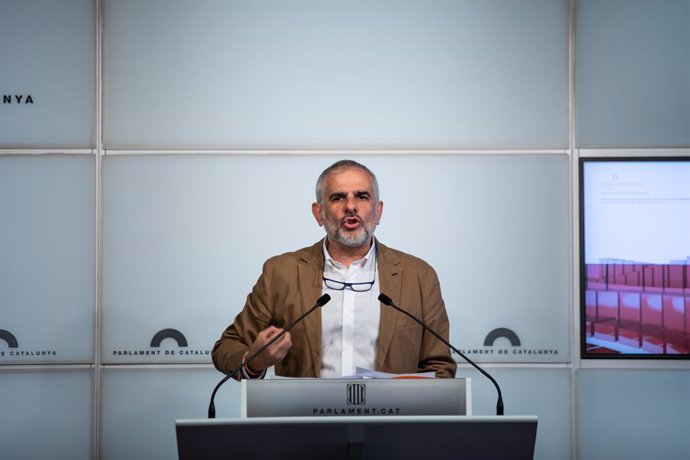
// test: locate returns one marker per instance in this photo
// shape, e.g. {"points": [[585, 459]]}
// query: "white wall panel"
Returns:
{"points": [[312, 73], [632, 73], [48, 259], [633, 414], [48, 55], [185, 238], [140, 406], [46, 414]]}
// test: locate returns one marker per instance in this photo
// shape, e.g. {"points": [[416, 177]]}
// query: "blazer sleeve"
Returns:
{"points": [[255, 316], [434, 356]]}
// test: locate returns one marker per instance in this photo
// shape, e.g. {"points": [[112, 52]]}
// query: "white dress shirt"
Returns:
{"points": [[350, 321]]}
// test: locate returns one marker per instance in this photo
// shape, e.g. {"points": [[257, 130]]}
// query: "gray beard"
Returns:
{"points": [[338, 235], [353, 241]]}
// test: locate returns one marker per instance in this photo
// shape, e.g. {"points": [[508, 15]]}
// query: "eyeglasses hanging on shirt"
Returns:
{"points": [[342, 285]]}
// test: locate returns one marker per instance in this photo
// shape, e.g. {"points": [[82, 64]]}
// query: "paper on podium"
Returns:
{"points": [[369, 374], [362, 373]]}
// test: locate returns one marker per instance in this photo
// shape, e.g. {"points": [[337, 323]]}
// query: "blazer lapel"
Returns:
{"points": [[310, 270], [390, 283]]}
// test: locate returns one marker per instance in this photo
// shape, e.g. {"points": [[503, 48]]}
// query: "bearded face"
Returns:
{"points": [[349, 212]]}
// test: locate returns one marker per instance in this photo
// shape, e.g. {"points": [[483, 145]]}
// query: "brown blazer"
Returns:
{"points": [[290, 284]]}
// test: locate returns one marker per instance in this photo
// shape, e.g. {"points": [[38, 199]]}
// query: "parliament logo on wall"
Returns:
{"points": [[504, 344], [11, 350], [166, 345]]}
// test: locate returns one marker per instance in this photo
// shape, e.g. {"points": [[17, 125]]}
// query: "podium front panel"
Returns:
{"points": [[359, 397]]}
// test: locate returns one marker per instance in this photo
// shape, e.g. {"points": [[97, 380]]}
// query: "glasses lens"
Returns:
{"points": [[362, 287], [333, 284]]}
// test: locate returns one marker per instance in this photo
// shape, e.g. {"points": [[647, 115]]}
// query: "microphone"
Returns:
{"points": [[499, 404], [321, 301]]}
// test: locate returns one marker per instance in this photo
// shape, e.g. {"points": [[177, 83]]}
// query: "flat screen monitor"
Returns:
{"points": [[635, 257]]}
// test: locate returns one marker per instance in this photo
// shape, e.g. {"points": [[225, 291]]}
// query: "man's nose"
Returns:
{"points": [[351, 204]]}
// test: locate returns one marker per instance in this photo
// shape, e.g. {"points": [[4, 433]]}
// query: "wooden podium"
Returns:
{"points": [[392, 428]]}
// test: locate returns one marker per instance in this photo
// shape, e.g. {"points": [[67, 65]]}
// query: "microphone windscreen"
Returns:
{"points": [[385, 299]]}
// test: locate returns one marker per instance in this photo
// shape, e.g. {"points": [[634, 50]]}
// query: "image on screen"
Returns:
{"points": [[635, 257]]}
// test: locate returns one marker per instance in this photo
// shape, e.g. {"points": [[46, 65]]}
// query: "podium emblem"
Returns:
{"points": [[356, 394]]}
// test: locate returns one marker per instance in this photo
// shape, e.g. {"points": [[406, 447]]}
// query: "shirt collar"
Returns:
{"points": [[366, 262]]}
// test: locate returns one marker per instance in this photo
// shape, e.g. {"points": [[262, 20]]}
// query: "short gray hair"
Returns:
{"points": [[340, 166]]}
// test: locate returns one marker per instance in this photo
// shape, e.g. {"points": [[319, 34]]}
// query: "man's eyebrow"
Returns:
{"points": [[358, 193]]}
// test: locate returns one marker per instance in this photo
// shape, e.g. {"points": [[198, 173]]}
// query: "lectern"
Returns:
{"points": [[363, 419]]}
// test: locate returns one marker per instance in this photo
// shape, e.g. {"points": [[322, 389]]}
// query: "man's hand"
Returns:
{"points": [[273, 354]]}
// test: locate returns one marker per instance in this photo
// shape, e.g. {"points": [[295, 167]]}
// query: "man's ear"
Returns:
{"points": [[316, 211], [379, 211]]}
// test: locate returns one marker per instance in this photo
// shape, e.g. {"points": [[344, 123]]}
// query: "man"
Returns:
{"points": [[354, 329]]}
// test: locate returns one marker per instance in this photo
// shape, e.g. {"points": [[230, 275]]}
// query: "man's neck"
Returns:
{"points": [[347, 254]]}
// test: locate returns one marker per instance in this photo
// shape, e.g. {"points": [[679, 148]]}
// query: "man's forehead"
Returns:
{"points": [[350, 174], [349, 180]]}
